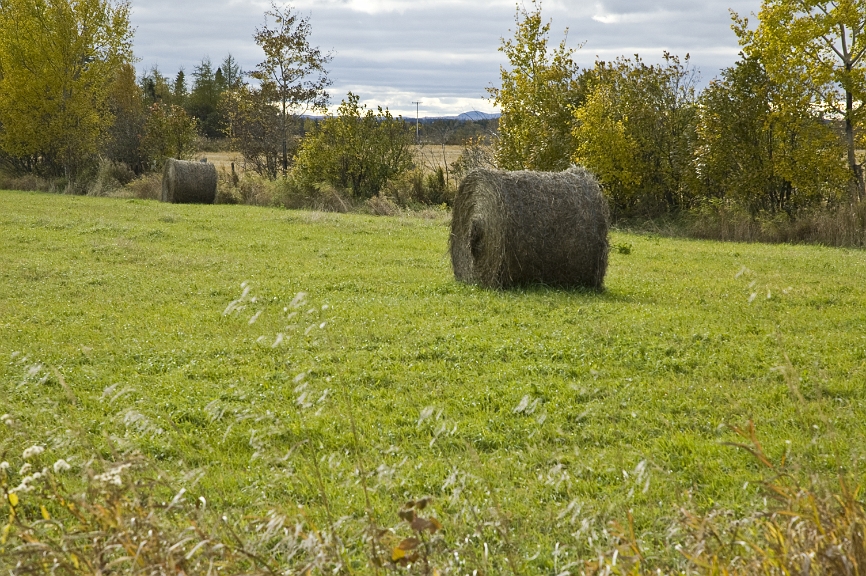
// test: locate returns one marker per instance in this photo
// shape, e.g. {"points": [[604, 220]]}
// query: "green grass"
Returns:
{"points": [[554, 411]]}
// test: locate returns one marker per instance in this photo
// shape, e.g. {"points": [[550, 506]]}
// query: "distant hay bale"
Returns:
{"points": [[189, 182], [518, 228]]}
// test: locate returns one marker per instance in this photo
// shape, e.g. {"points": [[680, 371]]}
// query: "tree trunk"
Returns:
{"points": [[857, 187], [285, 143]]}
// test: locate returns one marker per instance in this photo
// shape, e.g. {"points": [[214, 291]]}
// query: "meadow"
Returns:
{"points": [[329, 363]]}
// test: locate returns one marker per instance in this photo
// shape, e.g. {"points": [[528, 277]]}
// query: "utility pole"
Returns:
{"points": [[417, 131]]}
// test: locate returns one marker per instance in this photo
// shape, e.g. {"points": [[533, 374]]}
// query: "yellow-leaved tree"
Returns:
{"points": [[815, 48], [58, 60], [636, 132], [537, 98], [603, 145], [757, 149]]}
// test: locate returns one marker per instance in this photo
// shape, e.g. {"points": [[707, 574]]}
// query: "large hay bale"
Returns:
{"points": [[517, 228], [189, 182]]}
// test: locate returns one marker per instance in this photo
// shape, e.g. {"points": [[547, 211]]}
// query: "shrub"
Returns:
{"points": [[727, 220], [169, 133], [29, 182], [256, 190], [476, 153], [382, 206], [146, 187], [290, 194], [636, 132], [110, 177], [357, 150], [754, 148], [227, 188], [418, 187]]}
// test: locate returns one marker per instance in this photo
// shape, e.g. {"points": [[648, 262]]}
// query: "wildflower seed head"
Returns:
{"points": [[33, 451], [113, 475]]}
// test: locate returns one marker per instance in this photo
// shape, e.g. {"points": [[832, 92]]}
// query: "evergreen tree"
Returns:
{"points": [[220, 81], [204, 99], [232, 73], [178, 90], [155, 87]]}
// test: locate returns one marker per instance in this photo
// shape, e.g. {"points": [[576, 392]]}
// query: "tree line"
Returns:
{"points": [[777, 132], [70, 98]]}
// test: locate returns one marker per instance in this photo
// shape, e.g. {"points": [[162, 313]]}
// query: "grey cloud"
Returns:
{"points": [[434, 50]]}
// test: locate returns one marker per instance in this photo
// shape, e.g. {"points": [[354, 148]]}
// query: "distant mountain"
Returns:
{"points": [[475, 115], [471, 116]]}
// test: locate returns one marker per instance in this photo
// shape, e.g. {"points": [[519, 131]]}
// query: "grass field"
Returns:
{"points": [[533, 417], [430, 157]]}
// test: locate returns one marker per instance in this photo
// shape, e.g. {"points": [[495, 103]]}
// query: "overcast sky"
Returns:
{"points": [[440, 52]]}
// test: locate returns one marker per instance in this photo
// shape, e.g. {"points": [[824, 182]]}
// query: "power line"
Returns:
{"points": [[417, 131]]}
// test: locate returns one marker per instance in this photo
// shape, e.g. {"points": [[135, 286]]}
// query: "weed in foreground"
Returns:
{"points": [[803, 530]]}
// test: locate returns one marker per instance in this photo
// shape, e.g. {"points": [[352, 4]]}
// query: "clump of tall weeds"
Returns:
{"points": [[803, 529], [122, 518]]}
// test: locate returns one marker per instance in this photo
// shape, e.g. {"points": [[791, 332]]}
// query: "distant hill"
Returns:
{"points": [[471, 116], [475, 115]]}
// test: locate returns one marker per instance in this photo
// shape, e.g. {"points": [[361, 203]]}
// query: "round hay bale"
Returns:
{"points": [[188, 182], [518, 228]]}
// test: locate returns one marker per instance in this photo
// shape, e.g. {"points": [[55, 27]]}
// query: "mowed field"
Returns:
{"points": [[429, 156], [240, 346]]}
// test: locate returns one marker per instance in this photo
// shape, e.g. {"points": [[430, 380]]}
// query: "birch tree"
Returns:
{"points": [[815, 48], [293, 72]]}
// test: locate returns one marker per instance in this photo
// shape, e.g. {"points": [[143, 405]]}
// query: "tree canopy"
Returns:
{"points": [[536, 98], [358, 149], [636, 130], [815, 49], [58, 61], [293, 72], [761, 152]]}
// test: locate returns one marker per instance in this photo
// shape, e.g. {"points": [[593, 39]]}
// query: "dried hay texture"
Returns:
{"points": [[382, 206], [189, 182], [518, 228]]}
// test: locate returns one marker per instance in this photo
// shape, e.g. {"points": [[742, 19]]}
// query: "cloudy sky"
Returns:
{"points": [[442, 53]]}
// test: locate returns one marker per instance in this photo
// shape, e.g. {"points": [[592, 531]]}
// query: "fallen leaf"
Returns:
{"points": [[409, 544]]}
